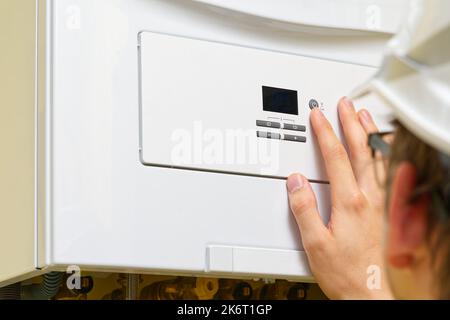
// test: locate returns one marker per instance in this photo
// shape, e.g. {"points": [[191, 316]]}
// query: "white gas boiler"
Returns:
{"points": [[155, 136]]}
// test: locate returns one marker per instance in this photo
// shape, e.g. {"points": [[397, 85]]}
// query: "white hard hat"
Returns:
{"points": [[414, 78]]}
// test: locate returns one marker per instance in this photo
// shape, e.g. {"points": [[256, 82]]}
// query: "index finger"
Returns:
{"points": [[337, 163]]}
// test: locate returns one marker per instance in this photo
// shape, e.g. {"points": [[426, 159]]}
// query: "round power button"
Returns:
{"points": [[313, 104]]}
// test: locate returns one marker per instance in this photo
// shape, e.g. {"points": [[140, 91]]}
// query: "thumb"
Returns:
{"points": [[304, 207]]}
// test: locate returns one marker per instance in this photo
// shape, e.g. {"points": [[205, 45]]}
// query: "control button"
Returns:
{"points": [[294, 127], [261, 134], [275, 136], [268, 135], [289, 137], [313, 104], [268, 124]]}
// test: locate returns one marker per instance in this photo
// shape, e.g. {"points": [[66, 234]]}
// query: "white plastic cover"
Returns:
{"points": [[415, 75], [356, 15]]}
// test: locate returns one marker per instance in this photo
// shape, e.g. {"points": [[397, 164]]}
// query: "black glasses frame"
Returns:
{"points": [[376, 143], [440, 199], [380, 154]]}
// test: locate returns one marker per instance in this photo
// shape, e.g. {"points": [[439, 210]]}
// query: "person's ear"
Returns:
{"points": [[407, 220]]}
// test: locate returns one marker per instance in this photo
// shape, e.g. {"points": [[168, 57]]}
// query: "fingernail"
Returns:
{"points": [[318, 112], [295, 182], [347, 102], [365, 115]]}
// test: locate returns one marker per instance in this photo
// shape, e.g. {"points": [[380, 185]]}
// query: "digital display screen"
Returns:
{"points": [[280, 100]]}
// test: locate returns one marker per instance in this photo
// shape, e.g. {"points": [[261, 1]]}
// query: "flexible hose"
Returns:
{"points": [[11, 292], [46, 290]]}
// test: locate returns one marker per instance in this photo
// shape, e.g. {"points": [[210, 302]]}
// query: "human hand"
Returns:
{"points": [[341, 253]]}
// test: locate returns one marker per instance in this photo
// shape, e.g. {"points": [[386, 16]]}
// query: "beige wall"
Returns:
{"points": [[17, 125]]}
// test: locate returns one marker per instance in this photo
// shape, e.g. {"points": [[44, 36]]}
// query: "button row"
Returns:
{"points": [[277, 125], [277, 136]]}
